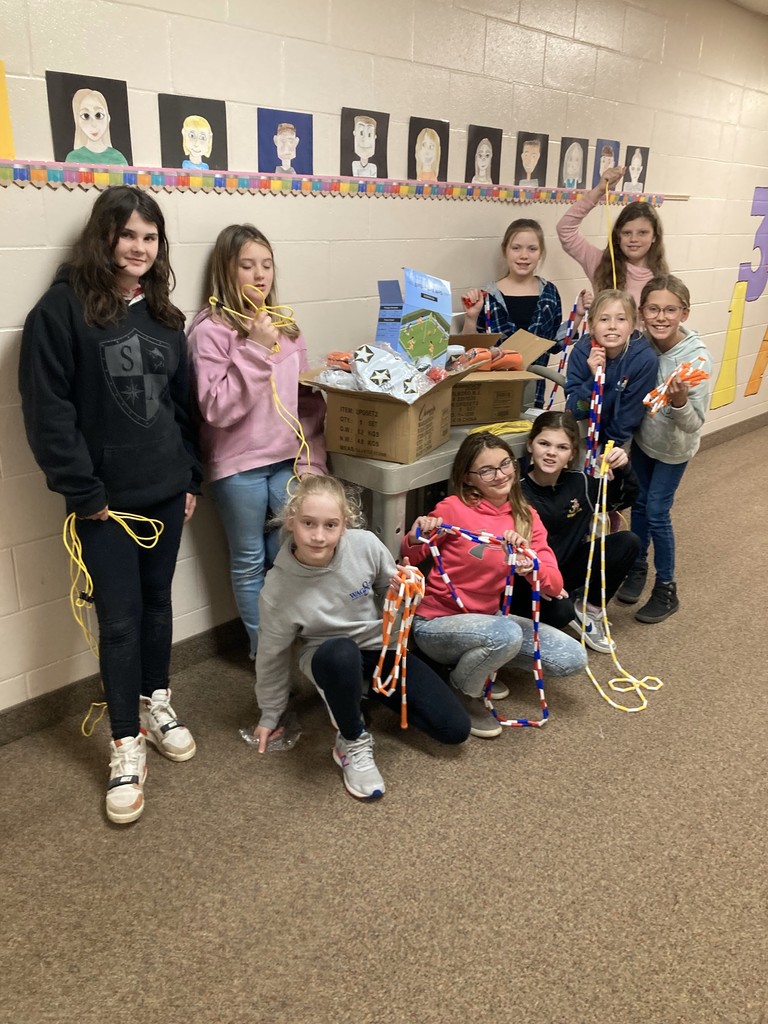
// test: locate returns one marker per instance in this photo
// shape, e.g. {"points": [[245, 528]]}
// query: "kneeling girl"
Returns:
{"points": [[326, 589]]}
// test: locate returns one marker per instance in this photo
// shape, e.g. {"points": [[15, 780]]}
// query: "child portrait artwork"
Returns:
{"points": [[363, 143], [573, 162], [483, 155], [89, 119], [285, 141], [531, 159], [427, 150], [636, 164], [193, 133], [606, 157]]}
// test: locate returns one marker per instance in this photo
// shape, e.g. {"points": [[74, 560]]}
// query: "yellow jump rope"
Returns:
{"points": [[281, 316], [636, 686], [81, 586]]}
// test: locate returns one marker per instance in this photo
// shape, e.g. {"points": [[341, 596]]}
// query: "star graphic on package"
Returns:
{"points": [[409, 387], [381, 377], [364, 354]]}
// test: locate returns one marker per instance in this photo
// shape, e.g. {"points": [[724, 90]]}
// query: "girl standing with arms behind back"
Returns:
{"points": [[521, 299], [104, 392], [247, 383]]}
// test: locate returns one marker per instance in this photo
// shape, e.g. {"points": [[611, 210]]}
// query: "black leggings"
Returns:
{"points": [[343, 672], [620, 554], [132, 595]]}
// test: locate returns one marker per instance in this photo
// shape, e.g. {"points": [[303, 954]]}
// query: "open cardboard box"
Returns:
{"points": [[378, 426], [495, 396]]}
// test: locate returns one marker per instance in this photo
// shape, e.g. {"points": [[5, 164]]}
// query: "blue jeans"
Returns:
{"points": [[244, 500], [478, 645], [651, 512], [132, 597]]}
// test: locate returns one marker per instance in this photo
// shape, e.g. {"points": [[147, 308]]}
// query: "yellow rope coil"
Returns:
{"points": [[636, 685], [81, 585]]}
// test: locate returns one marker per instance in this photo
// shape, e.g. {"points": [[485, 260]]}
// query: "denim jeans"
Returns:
{"points": [[244, 500], [651, 512], [343, 673], [478, 645], [132, 597]]}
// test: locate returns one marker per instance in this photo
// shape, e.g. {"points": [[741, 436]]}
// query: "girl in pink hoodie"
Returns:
{"points": [[486, 497], [246, 372]]}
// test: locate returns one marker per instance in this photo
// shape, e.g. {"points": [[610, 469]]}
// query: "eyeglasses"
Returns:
{"points": [[489, 472], [654, 311]]}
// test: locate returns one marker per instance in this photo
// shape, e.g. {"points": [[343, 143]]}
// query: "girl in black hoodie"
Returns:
{"points": [[104, 388]]}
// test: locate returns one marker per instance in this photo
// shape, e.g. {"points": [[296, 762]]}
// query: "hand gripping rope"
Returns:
{"points": [[600, 517], [591, 463], [81, 593], [406, 597], [281, 316], [488, 538], [687, 373], [567, 341]]}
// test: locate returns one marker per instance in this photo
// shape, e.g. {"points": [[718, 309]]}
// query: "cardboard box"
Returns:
{"points": [[493, 397], [378, 426], [417, 325]]}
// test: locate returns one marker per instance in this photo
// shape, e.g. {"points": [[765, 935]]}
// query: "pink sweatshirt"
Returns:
{"points": [[588, 255], [478, 571], [242, 428]]}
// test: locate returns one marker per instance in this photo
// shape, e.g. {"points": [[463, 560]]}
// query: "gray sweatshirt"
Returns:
{"points": [[672, 435], [342, 599]]}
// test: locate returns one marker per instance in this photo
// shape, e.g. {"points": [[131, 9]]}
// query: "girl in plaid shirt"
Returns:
{"points": [[521, 299]]}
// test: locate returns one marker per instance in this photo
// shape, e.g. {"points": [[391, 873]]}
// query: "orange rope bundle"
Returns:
{"points": [[686, 373], [405, 597]]}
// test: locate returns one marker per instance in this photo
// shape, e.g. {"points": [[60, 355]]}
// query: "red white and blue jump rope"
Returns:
{"points": [[567, 342], [488, 538]]}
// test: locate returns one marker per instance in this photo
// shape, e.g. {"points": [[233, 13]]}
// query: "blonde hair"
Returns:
{"points": [[81, 139], [612, 295], [427, 133], [196, 121], [310, 485]]}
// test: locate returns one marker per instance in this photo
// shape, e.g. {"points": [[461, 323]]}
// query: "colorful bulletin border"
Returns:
{"points": [[55, 175]]}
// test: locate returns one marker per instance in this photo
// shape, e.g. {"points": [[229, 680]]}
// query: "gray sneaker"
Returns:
{"points": [[482, 722], [594, 630], [355, 758]]}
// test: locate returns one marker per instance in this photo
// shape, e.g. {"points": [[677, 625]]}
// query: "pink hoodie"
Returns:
{"points": [[242, 427], [478, 571]]}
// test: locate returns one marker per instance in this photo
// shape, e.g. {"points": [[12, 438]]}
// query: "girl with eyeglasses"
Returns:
{"points": [[477, 642], [664, 444]]}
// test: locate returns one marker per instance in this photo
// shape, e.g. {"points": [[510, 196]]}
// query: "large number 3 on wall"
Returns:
{"points": [[749, 287]]}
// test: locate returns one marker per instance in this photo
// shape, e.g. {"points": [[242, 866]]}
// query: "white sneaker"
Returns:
{"points": [[164, 731], [355, 758], [594, 629], [127, 772]]}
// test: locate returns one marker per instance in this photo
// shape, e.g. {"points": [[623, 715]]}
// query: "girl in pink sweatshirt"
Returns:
{"points": [[246, 373], [486, 497]]}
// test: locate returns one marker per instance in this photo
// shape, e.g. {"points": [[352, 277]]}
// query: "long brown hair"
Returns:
{"points": [[667, 283], [222, 280], [470, 448], [92, 270], [657, 262]]}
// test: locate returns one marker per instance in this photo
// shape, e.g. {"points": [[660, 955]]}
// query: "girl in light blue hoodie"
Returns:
{"points": [[664, 443]]}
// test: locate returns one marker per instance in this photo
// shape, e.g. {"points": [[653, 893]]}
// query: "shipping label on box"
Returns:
{"points": [[377, 426], [419, 324]]}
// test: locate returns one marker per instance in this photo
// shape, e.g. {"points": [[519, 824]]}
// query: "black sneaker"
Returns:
{"points": [[630, 590], [663, 602]]}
